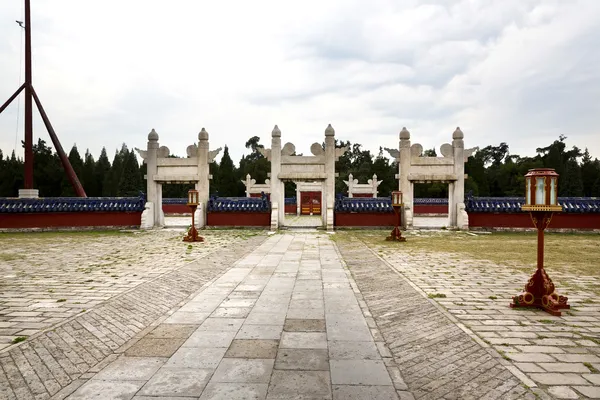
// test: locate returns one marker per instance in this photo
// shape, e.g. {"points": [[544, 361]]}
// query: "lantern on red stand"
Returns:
{"points": [[192, 235], [541, 200], [397, 206]]}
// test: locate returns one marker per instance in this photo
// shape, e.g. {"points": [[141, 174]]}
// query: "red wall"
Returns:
{"points": [[364, 219], [523, 220], [69, 219], [238, 219], [290, 209], [176, 209], [431, 208], [370, 195]]}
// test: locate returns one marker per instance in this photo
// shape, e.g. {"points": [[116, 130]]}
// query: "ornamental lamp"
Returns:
{"points": [[397, 199], [541, 190], [192, 198]]}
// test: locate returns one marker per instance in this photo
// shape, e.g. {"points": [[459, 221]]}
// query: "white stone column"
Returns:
{"points": [[329, 194], [459, 169], [297, 200], [350, 185], [203, 174], [375, 185], [277, 194], [160, 221], [451, 205], [404, 185], [151, 170]]}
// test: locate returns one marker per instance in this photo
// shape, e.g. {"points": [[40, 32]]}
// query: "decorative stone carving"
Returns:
{"points": [[316, 149], [470, 152], [339, 151], [212, 154], [288, 149], [163, 152], [142, 153], [416, 150], [265, 152], [192, 150], [447, 150], [394, 153], [362, 188]]}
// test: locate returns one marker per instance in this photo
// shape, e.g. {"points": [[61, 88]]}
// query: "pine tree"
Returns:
{"points": [[227, 182], [130, 183], [77, 164], [572, 185], [88, 176], [101, 171], [589, 172]]}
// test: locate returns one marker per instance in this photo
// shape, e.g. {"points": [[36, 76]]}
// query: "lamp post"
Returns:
{"points": [[192, 235], [541, 200], [397, 206]]}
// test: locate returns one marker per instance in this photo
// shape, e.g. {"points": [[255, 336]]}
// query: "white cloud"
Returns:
{"points": [[519, 71]]}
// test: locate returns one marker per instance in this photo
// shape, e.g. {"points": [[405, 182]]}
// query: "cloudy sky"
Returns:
{"points": [[107, 72]]}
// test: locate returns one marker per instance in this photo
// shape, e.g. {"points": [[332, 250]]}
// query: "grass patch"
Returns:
{"points": [[436, 295], [591, 368], [61, 300], [492, 297], [19, 339]]}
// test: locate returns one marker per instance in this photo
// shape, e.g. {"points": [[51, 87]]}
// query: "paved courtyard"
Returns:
{"points": [[298, 315]]}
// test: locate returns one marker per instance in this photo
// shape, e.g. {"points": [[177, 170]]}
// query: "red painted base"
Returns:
{"points": [[539, 293], [396, 235], [193, 236]]}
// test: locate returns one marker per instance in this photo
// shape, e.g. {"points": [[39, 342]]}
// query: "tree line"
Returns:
{"points": [[492, 171]]}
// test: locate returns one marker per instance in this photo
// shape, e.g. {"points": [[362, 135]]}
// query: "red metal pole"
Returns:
{"points": [[61, 153], [28, 103], [540, 246], [12, 98]]}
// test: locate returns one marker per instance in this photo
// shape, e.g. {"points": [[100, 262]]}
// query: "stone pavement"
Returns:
{"points": [[560, 355], [302, 221], [283, 323], [56, 360]]}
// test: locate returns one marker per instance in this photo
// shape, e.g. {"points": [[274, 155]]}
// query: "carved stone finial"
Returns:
{"points": [[153, 136], [276, 132], [329, 131], [203, 135], [458, 134], [404, 134]]}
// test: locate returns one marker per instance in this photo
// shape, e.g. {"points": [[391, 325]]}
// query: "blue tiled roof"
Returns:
{"points": [[513, 204], [443, 201], [363, 204], [290, 200], [175, 200], [238, 204], [72, 204]]}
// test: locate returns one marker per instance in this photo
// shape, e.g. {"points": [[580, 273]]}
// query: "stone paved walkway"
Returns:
{"points": [[283, 323], [560, 355]]}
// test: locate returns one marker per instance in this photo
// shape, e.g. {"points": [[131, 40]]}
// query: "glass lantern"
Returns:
{"points": [[397, 199], [541, 188], [192, 197]]}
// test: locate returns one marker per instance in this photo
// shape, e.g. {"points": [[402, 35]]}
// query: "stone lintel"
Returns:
{"points": [[176, 178], [420, 178], [177, 162], [431, 161], [302, 160], [300, 176]]}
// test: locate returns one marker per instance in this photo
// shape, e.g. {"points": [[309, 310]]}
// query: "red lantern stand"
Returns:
{"points": [[541, 202], [397, 205], [192, 235]]}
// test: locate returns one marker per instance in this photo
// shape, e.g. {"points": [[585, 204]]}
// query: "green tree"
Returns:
{"points": [[101, 171], [88, 175], [228, 180], [572, 184], [130, 182], [47, 172], [77, 165]]}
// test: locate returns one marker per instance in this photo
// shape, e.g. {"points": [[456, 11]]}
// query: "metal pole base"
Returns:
{"points": [[539, 293]]}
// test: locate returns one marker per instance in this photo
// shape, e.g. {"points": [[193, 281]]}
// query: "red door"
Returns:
{"points": [[310, 203]]}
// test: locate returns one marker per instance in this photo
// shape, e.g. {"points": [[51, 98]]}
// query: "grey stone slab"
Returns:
{"points": [[562, 392], [302, 359], [593, 392], [306, 313], [233, 302], [231, 312], [235, 391], [183, 317], [188, 382], [152, 347], [131, 369], [244, 348], [308, 295], [355, 392], [265, 318], [242, 370], [196, 357], [260, 332], [163, 331], [299, 385], [303, 340], [221, 324], [346, 350], [359, 372], [304, 325], [349, 327], [210, 339], [107, 390]]}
